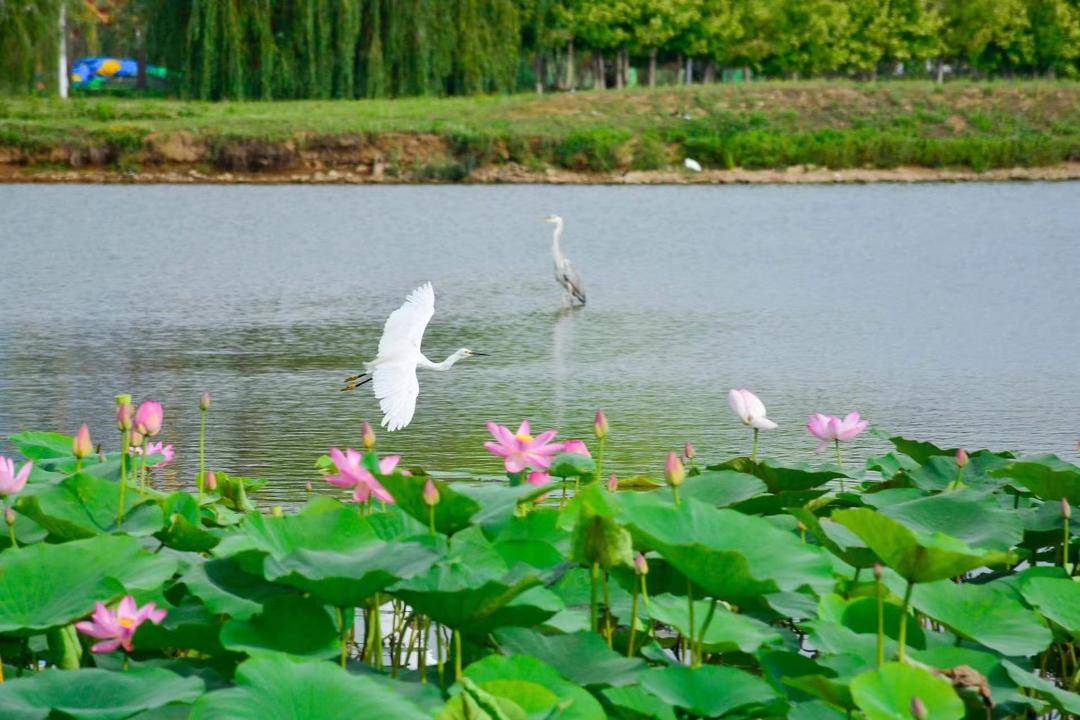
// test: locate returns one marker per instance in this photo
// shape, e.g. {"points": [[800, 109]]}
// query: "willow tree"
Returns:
{"points": [[30, 41]]}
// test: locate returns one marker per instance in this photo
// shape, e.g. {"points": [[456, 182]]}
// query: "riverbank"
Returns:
{"points": [[772, 132]]}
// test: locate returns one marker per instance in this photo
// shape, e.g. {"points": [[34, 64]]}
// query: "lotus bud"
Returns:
{"points": [[148, 418], [277, 512], [124, 412], [918, 709], [431, 493], [600, 426], [641, 566], [136, 439], [613, 483], [674, 472], [368, 435], [1066, 509], [9, 517], [689, 452], [961, 457], [210, 481], [878, 570], [81, 447], [204, 402], [308, 488]]}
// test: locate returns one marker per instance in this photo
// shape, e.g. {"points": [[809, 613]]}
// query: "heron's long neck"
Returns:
{"points": [[440, 366], [556, 251]]}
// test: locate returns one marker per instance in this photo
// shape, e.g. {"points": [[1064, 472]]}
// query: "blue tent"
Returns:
{"points": [[96, 71]]}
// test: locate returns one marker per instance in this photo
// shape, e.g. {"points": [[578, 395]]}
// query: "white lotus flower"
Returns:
{"points": [[750, 409]]}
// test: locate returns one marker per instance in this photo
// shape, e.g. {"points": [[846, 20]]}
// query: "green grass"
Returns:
{"points": [[759, 125]]}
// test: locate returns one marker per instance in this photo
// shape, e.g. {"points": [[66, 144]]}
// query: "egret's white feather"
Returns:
{"points": [[394, 369]]}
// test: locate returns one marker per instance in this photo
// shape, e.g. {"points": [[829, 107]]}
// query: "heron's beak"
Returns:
{"points": [[481, 354]]}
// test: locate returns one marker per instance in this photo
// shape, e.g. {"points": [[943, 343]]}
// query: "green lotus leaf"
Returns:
{"points": [[974, 517], [183, 525], [917, 557], [45, 586], [511, 677], [731, 556], [598, 537], [92, 694], [498, 502], [861, 616], [38, 445], [986, 614], [226, 588], [634, 702], [843, 543], [1008, 699], [711, 690], [568, 465], [720, 488], [1063, 700], [288, 624], [816, 710], [281, 688], [581, 657], [1058, 599], [82, 506], [781, 477], [725, 632], [886, 694], [1049, 477], [804, 678]]}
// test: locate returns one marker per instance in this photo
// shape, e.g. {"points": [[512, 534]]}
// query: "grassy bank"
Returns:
{"points": [[838, 125]]}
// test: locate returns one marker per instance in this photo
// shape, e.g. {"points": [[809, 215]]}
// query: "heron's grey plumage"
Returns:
{"points": [[565, 274]]}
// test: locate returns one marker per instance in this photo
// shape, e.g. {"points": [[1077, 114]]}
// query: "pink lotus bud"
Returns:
{"points": [[613, 483], [9, 516], [81, 447], [1066, 509], [918, 709], [576, 447], [641, 566], [368, 435], [689, 452], [674, 472], [878, 570], [148, 418], [961, 457], [204, 402], [210, 481], [431, 493], [600, 426], [124, 413]]}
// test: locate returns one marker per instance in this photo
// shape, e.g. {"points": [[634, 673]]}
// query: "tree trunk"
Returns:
{"points": [[680, 77], [689, 71], [570, 64], [746, 73], [62, 68], [601, 81], [140, 58], [538, 69], [619, 79], [652, 67], [940, 71], [710, 73]]}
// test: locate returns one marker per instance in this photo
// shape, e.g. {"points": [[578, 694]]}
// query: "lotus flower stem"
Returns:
{"points": [[607, 611], [344, 636], [600, 459], [1066, 512], [439, 653], [202, 451], [754, 447], [142, 467], [125, 437], [592, 596], [903, 620], [422, 625], [633, 621], [457, 655], [1, 670], [880, 620], [839, 462], [701, 636], [8, 519], [690, 607]]}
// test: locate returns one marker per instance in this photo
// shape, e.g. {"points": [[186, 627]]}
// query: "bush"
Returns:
{"points": [[598, 150]]}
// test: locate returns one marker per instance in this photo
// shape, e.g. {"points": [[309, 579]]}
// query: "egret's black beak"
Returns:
{"points": [[482, 354]]}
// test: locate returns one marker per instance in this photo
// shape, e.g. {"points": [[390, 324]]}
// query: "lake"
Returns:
{"points": [[949, 313]]}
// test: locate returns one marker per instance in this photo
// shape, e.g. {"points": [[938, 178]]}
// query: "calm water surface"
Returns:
{"points": [[946, 312]]}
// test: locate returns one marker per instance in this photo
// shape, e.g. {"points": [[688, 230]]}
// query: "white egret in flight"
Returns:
{"points": [[394, 368], [565, 274]]}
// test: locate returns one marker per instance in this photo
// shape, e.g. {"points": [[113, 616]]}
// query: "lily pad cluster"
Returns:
{"points": [[927, 588]]}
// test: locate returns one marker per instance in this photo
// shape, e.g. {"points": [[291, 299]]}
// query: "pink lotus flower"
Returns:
{"points": [[750, 409], [148, 418], [577, 447], [81, 446], [538, 477], [116, 629], [521, 450], [160, 448], [12, 482], [829, 428], [353, 475]]}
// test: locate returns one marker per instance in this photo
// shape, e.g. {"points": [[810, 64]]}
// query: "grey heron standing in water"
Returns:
{"points": [[565, 274], [394, 368]]}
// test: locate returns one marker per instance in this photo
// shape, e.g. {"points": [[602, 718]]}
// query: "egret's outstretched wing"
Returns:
{"points": [[570, 280], [394, 369]]}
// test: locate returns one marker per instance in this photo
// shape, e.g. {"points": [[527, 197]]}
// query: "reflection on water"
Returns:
{"points": [[947, 312]]}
